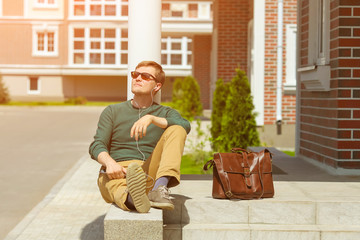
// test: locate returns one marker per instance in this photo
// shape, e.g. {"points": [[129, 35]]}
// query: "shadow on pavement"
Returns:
{"points": [[94, 230]]}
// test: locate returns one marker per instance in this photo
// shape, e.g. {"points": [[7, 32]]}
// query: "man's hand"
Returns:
{"points": [[139, 128], [113, 169]]}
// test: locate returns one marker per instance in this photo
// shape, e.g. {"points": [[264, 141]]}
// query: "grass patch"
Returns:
{"points": [[290, 153], [189, 166], [67, 103], [34, 104]]}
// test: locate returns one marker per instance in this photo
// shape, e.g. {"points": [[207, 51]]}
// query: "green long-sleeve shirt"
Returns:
{"points": [[113, 132]]}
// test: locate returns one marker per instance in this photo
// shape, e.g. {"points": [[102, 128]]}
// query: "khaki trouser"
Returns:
{"points": [[164, 161]]}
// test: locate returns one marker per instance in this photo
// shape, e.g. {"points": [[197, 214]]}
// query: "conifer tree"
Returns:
{"points": [[219, 103], [238, 125], [4, 94]]}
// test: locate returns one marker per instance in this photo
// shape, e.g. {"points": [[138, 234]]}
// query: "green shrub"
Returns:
{"points": [[238, 125], [186, 97], [177, 91], [4, 93], [219, 102], [76, 101]]}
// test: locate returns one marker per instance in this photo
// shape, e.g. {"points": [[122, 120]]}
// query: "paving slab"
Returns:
{"points": [[72, 210]]}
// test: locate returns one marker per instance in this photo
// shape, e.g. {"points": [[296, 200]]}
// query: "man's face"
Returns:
{"points": [[141, 86]]}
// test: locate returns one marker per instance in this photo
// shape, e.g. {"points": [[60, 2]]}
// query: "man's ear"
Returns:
{"points": [[157, 87]]}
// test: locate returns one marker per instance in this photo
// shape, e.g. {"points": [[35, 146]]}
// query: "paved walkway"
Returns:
{"points": [[38, 145], [74, 208]]}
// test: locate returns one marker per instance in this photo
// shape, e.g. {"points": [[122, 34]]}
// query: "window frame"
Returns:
{"points": [[38, 90], [183, 51], [117, 40], [46, 4], [121, 53], [119, 4], [203, 12], [45, 29], [316, 76], [323, 26]]}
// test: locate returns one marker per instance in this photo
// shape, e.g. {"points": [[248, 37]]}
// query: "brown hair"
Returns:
{"points": [[159, 73]]}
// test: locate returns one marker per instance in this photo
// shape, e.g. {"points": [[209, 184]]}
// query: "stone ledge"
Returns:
{"points": [[119, 224], [259, 231]]}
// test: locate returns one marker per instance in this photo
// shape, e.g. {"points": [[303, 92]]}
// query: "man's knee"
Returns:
{"points": [[176, 130]]}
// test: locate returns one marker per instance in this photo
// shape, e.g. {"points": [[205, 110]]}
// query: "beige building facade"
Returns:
{"points": [[59, 49]]}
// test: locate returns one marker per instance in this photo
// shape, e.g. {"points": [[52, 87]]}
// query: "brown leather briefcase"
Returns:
{"points": [[242, 174]]}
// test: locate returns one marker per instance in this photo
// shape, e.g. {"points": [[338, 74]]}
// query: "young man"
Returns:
{"points": [[139, 144]]}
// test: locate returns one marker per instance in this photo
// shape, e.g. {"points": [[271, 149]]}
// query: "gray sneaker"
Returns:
{"points": [[160, 198], [136, 183]]}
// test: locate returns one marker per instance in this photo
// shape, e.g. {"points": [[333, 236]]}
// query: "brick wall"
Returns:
{"points": [[330, 120], [271, 29], [201, 66], [231, 21]]}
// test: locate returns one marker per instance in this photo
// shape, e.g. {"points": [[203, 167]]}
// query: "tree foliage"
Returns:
{"points": [[237, 126], [4, 93], [186, 97], [219, 103]]}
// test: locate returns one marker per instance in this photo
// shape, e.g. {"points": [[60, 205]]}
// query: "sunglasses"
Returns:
{"points": [[145, 76]]}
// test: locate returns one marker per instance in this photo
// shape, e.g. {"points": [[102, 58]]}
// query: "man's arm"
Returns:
{"points": [[100, 146], [113, 169], [103, 134], [174, 118], [139, 128]]}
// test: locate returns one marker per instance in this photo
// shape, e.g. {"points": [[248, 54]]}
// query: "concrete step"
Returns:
{"points": [[260, 231], [299, 210], [295, 203], [119, 224]]}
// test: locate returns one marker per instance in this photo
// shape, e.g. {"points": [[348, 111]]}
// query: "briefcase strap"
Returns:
{"points": [[223, 177]]}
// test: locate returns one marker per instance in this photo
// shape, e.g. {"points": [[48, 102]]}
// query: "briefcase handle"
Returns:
{"points": [[236, 150]]}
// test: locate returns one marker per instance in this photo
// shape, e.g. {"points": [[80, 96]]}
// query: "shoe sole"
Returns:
{"points": [[136, 183], [165, 206]]}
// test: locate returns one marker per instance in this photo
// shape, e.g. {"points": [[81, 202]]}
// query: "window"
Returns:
{"points": [[176, 52], [319, 32], [186, 10], [105, 46], [46, 3], [165, 10], [290, 83], [193, 10], [323, 31], [99, 8], [33, 85], [316, 76], [79, 46], [124, 46], [45, 41], [178, 10]]}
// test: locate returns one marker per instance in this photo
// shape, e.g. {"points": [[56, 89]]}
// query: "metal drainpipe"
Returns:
{"points": [[279, 67]]}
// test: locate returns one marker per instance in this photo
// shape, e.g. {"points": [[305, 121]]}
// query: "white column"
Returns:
{"points": [[144, 36], [298, 83], [279, 65], [257, 84]]}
